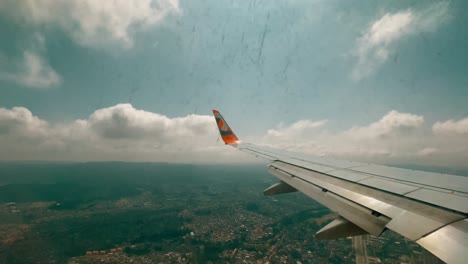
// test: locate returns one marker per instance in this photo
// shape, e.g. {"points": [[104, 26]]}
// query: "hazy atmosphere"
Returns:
{"points": [[136, 80], [110, 151]]}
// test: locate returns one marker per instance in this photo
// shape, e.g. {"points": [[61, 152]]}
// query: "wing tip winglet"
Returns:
{"points": [[226, 132]]}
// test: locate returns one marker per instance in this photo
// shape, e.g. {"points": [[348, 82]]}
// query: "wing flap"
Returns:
{"points": [[442, 199], [360, 173], [349, 175], [389, 186], [427, 179], [353, 212], [448, 243], [414, 226]]}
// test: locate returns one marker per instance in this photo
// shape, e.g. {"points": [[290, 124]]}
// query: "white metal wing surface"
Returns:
{"points": [[429, 208]]}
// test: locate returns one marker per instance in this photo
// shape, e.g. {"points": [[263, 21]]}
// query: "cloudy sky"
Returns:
{"points": [[382, 81]]}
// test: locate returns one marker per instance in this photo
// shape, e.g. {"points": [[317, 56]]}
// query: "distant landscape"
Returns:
{"points": [[169, 213]]}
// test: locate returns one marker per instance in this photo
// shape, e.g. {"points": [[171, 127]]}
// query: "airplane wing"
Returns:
{"points": [[428, 208]]}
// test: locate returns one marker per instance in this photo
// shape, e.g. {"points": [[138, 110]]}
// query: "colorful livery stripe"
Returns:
{"points": [[226, 132]]}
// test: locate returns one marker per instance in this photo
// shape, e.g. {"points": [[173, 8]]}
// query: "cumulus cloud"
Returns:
{"points": [[33, 71], [120, 132], [123, 122], [20, 121], [427, 151], [375, 45], [396, 138], [93, 23], [393, 123], [451, 127], [298, 128], [382, 138]]}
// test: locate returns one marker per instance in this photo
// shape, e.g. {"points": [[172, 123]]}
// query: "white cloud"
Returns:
{"points": [[393, 123], [427, 151], [396, 138], [123, 122], [90, 22], [375, 45], [451, 127], [20, 121], [374, 140], [298, 128], [120, 132], [33, 71], [295, 137]]}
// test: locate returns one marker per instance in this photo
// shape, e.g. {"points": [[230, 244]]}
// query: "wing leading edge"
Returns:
{"points": [[428, 208]]}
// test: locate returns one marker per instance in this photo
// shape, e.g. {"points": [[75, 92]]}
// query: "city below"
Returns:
{"points": [[163, 213]]}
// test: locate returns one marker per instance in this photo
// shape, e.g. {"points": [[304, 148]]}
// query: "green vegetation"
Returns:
{"points": [[53, 213]]}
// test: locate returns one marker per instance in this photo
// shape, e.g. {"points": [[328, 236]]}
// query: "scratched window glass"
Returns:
{"points": [[233, 131]]}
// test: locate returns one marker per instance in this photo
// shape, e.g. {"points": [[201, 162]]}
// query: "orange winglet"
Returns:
{"points": [[226, 132]]}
